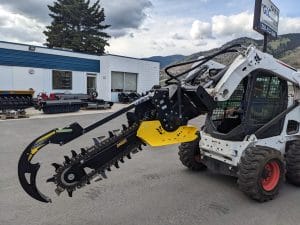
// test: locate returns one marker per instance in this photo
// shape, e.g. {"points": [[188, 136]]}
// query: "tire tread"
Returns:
{"points": [[249, 170], [187, 155]]}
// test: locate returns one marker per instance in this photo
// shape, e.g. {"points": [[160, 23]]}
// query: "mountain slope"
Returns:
{"points": [[166, 60], [278, 47], [292, 58], [286, 48]]}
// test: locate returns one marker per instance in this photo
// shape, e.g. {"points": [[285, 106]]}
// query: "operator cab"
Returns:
{"points": [[259, 98]]}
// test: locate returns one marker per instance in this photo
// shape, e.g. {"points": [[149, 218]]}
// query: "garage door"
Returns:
{"points": [[122, 82]]}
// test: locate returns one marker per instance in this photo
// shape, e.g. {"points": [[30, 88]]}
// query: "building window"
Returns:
{"points": [[62, 80], [117, 81], [123, 82], [130, 82]]}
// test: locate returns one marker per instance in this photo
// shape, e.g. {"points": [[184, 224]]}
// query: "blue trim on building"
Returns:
{"points": [[11, 57]]}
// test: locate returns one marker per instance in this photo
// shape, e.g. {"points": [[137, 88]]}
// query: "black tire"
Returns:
{"points": [[93, 94], [255, 178], [293, 163], [189, 155]]}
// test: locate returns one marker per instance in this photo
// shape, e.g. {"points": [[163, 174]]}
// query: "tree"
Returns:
{"points": [[78, 26]]}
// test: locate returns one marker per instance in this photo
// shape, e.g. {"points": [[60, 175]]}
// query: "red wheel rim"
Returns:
{"points": [[271, 176]]}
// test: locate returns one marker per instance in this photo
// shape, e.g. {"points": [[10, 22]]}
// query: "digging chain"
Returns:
{"points": [[78, 178]]}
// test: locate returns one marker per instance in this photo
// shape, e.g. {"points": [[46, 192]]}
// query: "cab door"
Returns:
{"points": [[268, 98]]}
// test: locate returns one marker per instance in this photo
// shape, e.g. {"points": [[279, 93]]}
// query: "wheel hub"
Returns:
{"points": [[270, 176]]}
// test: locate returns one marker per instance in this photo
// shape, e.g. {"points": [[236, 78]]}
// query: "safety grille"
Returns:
{"points": [[267, 99], [234, 102]]}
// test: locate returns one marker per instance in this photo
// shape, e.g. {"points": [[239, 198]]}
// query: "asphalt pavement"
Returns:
{"points": [[152, 188]]}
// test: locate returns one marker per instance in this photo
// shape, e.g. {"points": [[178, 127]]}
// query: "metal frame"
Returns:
{"points": [[230, 152], [246, 63]]}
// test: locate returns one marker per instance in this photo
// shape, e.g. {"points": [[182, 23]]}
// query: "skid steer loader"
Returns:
{"points": [[251, 129]]}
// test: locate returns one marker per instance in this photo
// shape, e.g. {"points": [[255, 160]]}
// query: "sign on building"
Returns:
{"points": [[266, 17]]}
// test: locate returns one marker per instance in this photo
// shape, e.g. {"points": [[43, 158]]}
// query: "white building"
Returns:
{"points": [[51, 70]]}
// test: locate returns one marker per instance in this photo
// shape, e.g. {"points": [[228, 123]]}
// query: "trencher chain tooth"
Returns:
{"points": [[86, 154]]}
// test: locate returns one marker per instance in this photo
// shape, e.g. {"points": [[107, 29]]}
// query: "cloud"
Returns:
{"points": [[238, 25], [169, 44], [201, 30], [233, 25], [117, 33], [289, 25], [200, 43], [224, 26], [155, 46], [177, 36], [129, 15], [121, 15], [19, 28], [30, 8], [164, 37], [140, 23]]}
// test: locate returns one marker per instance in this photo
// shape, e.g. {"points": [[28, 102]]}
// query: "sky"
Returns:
{"points": [[143, 28]]}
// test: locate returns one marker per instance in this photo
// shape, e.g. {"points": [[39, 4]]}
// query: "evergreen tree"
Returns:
{"points": [[78, 26]]}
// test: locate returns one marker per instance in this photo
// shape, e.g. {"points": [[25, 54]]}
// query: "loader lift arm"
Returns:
{"points": [[159, 118]]}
